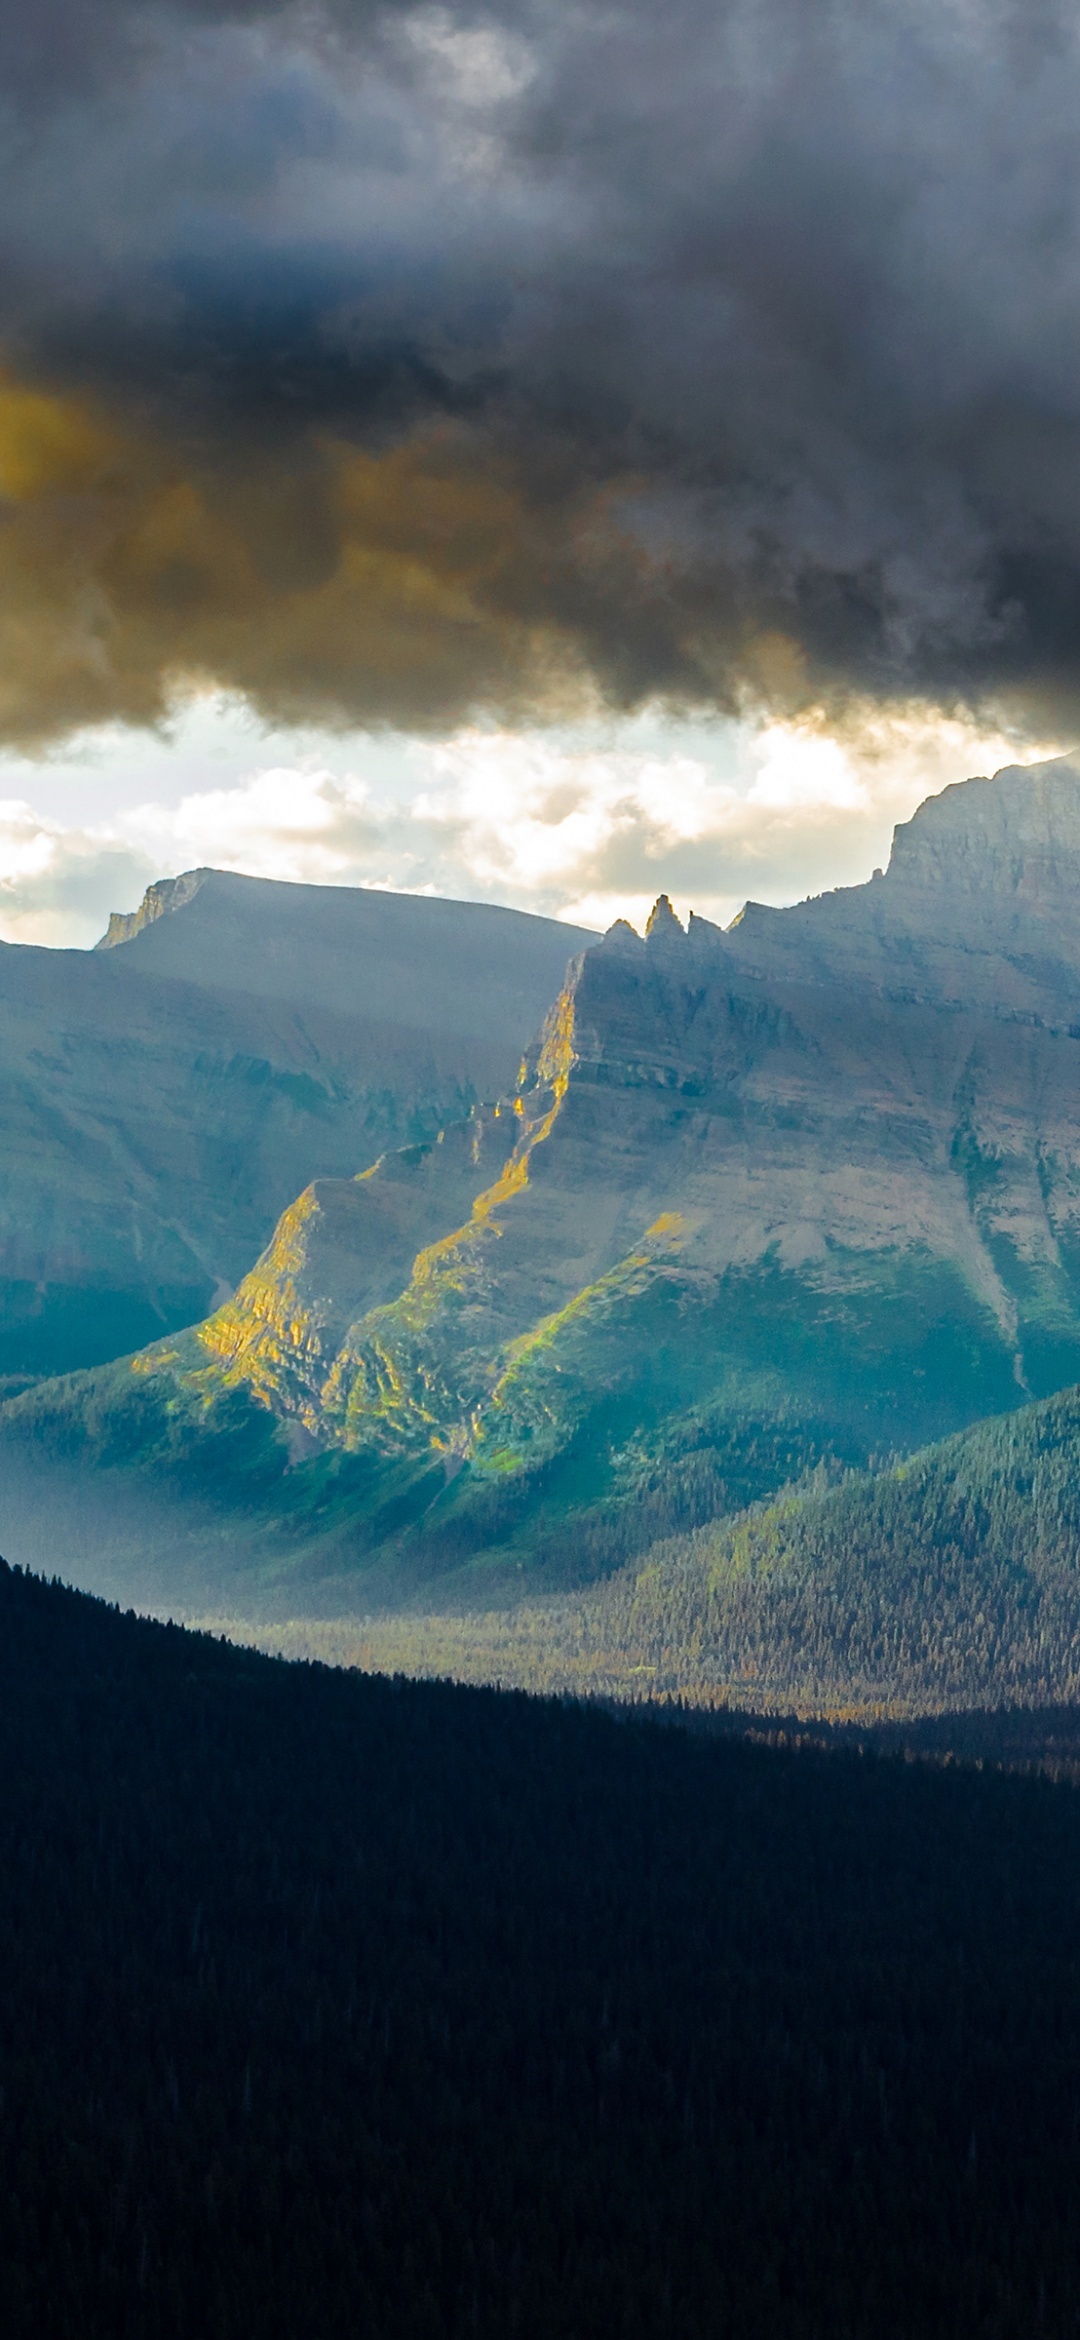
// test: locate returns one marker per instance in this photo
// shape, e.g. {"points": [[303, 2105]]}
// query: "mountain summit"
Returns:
{"points": [[804, 1193], [414, 962], [978, 905]]}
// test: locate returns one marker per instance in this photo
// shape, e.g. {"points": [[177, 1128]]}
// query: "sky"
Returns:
{"points": [[585, 822], [546, 451]]}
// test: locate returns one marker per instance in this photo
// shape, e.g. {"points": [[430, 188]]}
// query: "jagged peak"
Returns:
{"points": [[620, 937], [662, 922], [165, 895], [989, 827]]}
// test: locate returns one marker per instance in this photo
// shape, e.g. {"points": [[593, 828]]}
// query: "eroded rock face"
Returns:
{"points": [[162, 1101], [808, 1190], [160, 900], [980, 904]]}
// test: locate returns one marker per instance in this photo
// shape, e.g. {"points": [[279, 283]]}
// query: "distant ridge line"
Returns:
{"points": [[167, 895]]}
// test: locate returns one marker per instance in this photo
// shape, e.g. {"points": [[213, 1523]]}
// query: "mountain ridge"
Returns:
{"points": [[158, 1118], [477, 970], [1005, 851]]}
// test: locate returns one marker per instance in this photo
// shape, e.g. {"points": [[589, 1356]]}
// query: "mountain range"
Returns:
{"points": [[163, 1098], [768, 1210]]}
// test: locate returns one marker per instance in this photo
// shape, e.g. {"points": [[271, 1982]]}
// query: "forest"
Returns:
{"points": [[946, 1581], [335, 2004]]}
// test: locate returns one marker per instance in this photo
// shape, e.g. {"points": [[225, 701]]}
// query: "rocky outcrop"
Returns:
{"points": [[160, 899]]}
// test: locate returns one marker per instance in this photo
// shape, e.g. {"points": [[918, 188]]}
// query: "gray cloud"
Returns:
{"points": [[743, 340]]}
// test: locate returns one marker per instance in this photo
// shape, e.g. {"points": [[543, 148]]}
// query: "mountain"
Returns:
{"points": [[334, 2006], [162, 1101], [949, 1581], [456, 972], [977, 906], [802, 1194]]}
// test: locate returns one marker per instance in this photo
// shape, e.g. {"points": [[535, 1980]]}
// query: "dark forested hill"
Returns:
{"points": [[332, 2006]]}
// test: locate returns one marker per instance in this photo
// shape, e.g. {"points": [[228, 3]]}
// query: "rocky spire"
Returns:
{"points": [[663, 925], [622, 936]]}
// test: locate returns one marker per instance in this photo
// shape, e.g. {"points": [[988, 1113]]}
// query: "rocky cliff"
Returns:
{"points": [[160, 900], [802, 1194], [979, 905]]}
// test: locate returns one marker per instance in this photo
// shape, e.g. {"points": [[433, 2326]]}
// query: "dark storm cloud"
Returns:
{"points": [[391, 361]]}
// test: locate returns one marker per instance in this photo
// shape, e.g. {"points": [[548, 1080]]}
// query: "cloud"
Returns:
{"points": [[593, 833], [588, 825], [57, 884], [348, 583], [396, 364]]}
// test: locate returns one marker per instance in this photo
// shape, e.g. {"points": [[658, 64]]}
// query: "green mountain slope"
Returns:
{"points": [[747, 1215], [951, 1580]]}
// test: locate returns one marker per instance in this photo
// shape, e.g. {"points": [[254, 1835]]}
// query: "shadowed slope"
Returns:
{"points": [[459, 970], [332, 2006]]}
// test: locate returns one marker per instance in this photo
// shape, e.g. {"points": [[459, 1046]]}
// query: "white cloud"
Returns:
{"points": [[57, 884], [281, 823], [480, 66], [587, 826]]}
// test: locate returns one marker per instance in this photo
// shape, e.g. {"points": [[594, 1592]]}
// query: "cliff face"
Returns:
{"points": [[805, 1191], [978, 907], [165, 896], [159, 1111]]}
